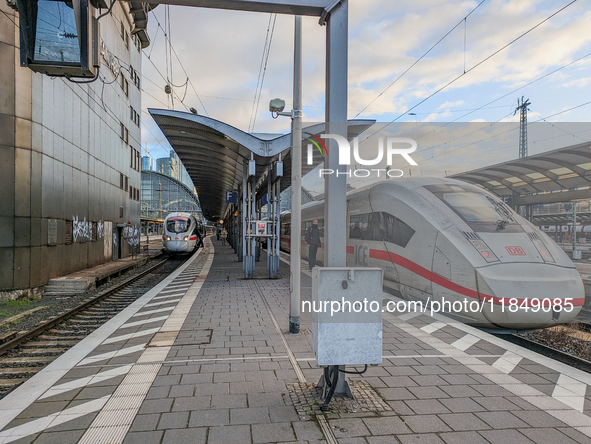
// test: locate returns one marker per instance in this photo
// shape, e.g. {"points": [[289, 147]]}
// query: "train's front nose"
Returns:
{"points": [[529, 296], [177, 245]]}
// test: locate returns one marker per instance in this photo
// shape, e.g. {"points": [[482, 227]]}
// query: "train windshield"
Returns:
{"points": [[475, 207], [178, 224]]}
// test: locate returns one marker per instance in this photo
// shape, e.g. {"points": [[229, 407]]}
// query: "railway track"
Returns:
{"points": [[549, 352], [27, 353]]}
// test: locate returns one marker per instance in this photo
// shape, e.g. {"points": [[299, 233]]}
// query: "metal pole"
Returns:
{"points": [[574, 228], [244, 214], [335, 185], [296, 180], [269, 213]]}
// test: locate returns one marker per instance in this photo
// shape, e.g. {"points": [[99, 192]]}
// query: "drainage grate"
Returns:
{"points": [[307, 399]]}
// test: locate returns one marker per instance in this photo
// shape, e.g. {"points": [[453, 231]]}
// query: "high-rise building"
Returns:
{"points": [[146, 163]]}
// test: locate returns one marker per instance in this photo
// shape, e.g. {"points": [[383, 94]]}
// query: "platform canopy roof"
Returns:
{"points": [[214, 153], [561, 175]]}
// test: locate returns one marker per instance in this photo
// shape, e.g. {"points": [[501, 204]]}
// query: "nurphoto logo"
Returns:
{"points": [[345, 154]]}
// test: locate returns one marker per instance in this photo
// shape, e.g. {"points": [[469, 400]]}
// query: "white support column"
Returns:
{"points": [[335, 185], [296, 181]]}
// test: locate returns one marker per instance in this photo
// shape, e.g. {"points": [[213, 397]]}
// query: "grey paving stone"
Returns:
{"points": [[156, 406], [248, 387], [348, 428], [423, 438], [426, 406], [576, 435], [383, 440], [461, 405], [143, 437], [460, 391], [178, 391], [193, 403], [252, 415], [158, 392], [386, 425], [461, 422], [229, 435], [228, 401], [538, 418], [400, 408], [48, 437], [459, 379], [492, 390], [501, 420], [398, 381], [265, 400], [308, 431], [222, 388], [396, 394], [428, 392], [462, 438], [425, 380], [278, 432], [185, 436], [426, 424], [547, 436], [507, 436], [41, 409], [496, 403], [197, 378], [145, 423], [283, 414], [176, 420]]}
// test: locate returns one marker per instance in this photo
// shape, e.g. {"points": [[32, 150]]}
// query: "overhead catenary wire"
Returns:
{"points": [[424, 55], [262, 71], [180, 63], [476, 65]]}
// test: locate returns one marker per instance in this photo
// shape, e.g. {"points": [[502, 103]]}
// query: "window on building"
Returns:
{"points": [[124, 84], [121, 180], [126, 183], [124, 134]]}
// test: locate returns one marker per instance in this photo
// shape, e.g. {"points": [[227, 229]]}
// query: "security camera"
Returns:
{"points": [[276, 105]]}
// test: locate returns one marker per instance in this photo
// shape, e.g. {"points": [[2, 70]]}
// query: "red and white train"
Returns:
{"points": [[180, 233], [442, 240]]}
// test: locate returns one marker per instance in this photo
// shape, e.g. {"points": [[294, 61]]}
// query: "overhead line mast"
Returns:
{"points": [[522, 126]]}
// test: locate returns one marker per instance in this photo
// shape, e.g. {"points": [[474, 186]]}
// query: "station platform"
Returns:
{"points": [[205, 357], [89, 278]]}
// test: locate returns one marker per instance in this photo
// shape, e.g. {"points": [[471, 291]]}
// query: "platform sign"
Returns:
{"points": [[231, 197]]}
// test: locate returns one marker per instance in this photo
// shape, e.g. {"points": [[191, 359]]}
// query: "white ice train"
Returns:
{"points": [[180, 233], [445, 241]]}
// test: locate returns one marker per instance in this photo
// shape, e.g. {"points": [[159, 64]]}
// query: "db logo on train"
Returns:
{"points": [[515, 251]]}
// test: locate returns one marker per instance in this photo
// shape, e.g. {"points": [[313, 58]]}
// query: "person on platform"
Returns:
{"points": [[218, 232], [224, 236], [313, 240], [200, 241]]}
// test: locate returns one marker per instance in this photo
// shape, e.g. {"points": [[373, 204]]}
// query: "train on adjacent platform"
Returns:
{"points": [[441, 240], [180, 233]]}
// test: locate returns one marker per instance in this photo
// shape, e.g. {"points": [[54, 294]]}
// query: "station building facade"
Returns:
{"points": [[70, 170], [161, 195]]}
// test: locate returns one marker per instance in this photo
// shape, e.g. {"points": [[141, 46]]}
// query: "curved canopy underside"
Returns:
{"points": [[532, 178], [214, 153]]}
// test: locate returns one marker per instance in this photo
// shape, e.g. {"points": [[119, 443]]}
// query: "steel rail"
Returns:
{"points": [[68, 314]]}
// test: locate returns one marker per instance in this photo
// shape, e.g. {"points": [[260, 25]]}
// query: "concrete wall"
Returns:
{"points": [[62, 157]]}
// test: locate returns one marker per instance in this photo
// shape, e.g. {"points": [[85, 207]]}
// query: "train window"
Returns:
{"points": [[177, 224], [358, 225], [395, 230], [380, 226], [321, 227], [474, 207]]}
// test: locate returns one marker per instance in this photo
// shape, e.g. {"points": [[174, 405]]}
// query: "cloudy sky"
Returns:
{"points": [[221, 53]]}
